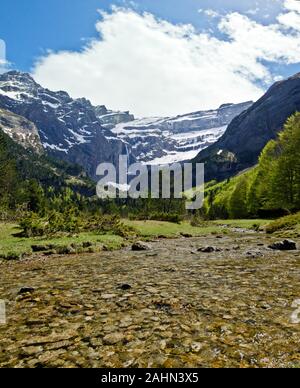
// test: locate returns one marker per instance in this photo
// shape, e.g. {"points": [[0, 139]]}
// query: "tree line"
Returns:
{"points": [[271, 188]]}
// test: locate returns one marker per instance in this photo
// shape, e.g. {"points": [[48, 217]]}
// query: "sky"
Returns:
{"points": [[153, 57]]}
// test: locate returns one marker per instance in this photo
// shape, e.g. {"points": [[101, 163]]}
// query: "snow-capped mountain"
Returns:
{"points": [[167, 140], [78, 132], [69, 129]]}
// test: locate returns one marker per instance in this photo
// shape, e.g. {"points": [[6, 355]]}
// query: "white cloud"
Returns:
{"points": [[210, 13], [253, 11], [153, 67], [3, 61], [292, 5], [291, 19]]}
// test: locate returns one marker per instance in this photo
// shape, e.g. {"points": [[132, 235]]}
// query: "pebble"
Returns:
{"points": [[114, 338]]}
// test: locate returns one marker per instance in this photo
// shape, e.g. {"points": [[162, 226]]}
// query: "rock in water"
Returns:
{"points": [[26, 290], [141, 246], [285, 245], [113, 339], [125, 287], [209, 250]]}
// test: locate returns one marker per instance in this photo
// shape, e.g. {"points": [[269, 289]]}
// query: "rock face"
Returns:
{"points": [[69, 129], [246, 136], [159, 140], [109, 118], [21, 130]]}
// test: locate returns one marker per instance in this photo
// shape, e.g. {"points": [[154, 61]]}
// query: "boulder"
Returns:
{"points": [[141, 246], [285, 245]]}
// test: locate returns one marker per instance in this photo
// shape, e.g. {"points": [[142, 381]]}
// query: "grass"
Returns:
{"points": [[147, 230], [19, 245], [244, 224], [167, 229], [288, 223]]}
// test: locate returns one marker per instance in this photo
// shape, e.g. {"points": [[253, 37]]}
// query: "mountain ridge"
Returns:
{"points": [[76, 131], [241, 144]]}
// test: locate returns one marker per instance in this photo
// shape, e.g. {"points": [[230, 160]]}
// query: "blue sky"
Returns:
{"points": [[30, 28]]}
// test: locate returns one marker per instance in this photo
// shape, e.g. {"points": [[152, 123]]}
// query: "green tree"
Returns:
{"points": [[238, 201]]}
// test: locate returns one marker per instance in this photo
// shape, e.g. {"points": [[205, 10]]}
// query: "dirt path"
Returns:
{"points": [[171, 306]]}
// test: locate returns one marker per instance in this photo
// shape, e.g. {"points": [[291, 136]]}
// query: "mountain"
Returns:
{"points": [[160, 140], [75, 131], [247, 135], [69, 129], [109, 118], [21, 130]]}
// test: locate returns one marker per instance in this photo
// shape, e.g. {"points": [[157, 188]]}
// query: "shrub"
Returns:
{"points": [[32, 225], [68, 222], [166, 217], [197, 222], [109, 224]]}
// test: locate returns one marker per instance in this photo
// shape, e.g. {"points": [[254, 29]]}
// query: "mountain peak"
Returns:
{"points": [[228, 105], [295, 76], [15, 75]]}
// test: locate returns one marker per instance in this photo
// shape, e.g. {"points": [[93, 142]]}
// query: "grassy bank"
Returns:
{"points": [[167, 229], [12, 244], [19, 245]]}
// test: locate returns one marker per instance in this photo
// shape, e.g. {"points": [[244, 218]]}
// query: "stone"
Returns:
{"points": [[26, 290], [196, 347], [125, 287], [186, 235], [254, 254], [113, 338], [41, 248], [141, 246], [108, 296], [32, 350], [87, 244], [285, 245], [207, 250]]}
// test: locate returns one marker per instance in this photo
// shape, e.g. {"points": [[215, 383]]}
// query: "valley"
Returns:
{"points": [[90, 282], [83, 134], [149, 187]]}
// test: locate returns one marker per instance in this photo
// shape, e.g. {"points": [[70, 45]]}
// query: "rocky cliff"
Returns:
{"points": [[246, 136], [175, 139]]}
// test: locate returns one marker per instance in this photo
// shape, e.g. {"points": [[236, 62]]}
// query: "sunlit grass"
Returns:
{"points": [[9, 243], [168, 229]]}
